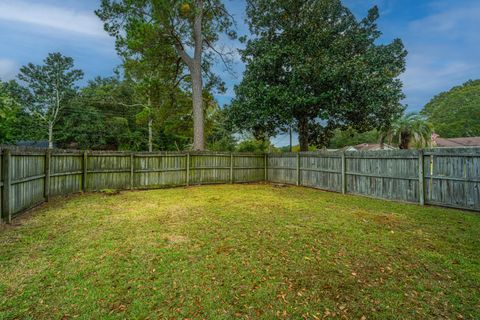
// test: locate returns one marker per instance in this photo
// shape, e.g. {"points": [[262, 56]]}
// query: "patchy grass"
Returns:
{"points": [[240, 251]]}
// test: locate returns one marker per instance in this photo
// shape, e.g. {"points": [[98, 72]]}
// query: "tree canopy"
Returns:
{"points": [[187, 30], [51, 85], [350, 137], [410, 131], [9, 115], [107, 114], [313, 65], [456, 113]]}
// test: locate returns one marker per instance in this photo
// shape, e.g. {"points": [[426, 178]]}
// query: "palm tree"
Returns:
{"points": [[411, 130]]}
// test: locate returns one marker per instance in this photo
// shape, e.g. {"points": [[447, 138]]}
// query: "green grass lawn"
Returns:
{"points": [[239, 251]]}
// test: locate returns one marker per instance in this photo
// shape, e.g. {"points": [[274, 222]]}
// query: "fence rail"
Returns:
{"points": [[445, 177], [30, 177]]}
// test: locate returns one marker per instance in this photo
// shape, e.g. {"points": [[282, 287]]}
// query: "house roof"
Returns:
{"points": [[458, 142], [372, 147], [33, 144]]}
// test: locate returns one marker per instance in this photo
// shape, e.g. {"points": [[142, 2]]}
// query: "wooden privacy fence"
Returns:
{"points": [[445, 177], [29, 178]]}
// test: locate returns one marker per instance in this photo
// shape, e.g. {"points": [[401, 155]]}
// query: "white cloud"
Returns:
{"points": [[458, 20], [444, 48], [429, 73], [422, 75], [48, 16], [8, 69]]}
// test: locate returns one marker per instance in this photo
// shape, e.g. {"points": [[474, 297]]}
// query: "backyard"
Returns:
{"points": [[254, 251]]}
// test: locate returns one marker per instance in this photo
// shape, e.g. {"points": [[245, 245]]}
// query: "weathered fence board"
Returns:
{"points": [[3, 203], [66, 174], [157, 171], [390, 175], [445, 177], [452, 177], [323, 172], [27, 174], [449, 177], [248, 168], [108, 171], [206, 169], [282, 168]]}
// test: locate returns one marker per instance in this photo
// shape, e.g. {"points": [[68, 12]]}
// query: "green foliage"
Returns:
{"points": [[170, 43], [82, 126], [17, 121], [110, 113], [304, 70], [295, 148], [9, 115], [254, 145], [153, 70], [148, 27], [410, 131], [169, 140], [102, 116], [221, 137], [456, 113], [52, 86], [351, 137]]}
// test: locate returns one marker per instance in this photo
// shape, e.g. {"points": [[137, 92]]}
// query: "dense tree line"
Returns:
{"points": [[311, 66], [107, 113], [171, 40], [451, 114], [456, 113]]}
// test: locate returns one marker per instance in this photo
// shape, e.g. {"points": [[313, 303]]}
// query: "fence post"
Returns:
{"points": [[46, 187], [298, 168], [265, 165], [421, 176], [430, 184], [188, 169], [7, 184], [131, 170], [231, 167], [344, 173], [85, 171]]}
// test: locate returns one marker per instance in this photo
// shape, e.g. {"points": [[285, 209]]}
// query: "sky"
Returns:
{"points": [[441, 36]]}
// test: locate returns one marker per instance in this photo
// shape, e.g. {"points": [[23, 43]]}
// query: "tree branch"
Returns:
{"points": [[222, 57], [183, 54], [179, 48]]}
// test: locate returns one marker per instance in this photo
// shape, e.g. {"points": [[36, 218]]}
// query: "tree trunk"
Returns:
{"points": [[404, 141], [290, 132], [195, 67], [197, 84], [198, 117], [382, 141], [50, 135], [150, 135], [303, 133]]}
